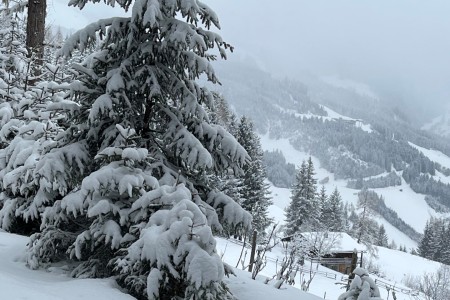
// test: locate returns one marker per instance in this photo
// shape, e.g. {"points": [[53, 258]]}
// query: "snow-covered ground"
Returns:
{"points": [[245, 288], [19, 282], [394, 266]]}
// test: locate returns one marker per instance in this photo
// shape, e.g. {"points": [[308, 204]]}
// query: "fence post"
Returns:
{"points": [[252, 254]]}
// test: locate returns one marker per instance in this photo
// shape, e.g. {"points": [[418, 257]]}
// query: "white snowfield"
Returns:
{"points": [[19, 282], [328, 284]]}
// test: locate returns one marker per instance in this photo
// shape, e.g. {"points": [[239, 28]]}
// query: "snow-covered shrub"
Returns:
{"points": [[362, 287]]}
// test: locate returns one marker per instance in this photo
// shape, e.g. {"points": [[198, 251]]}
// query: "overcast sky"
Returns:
{"points": [[399, 47]]}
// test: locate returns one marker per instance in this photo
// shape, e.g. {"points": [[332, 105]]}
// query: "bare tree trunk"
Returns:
{"points": [[36, 31], [252, 254]]}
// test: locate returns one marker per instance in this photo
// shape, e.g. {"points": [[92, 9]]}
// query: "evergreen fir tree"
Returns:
{"points": [[294, 217], [364, 223], [335, 207], [303, 211], [382, 238], [322, 199], [144, 208], [427, 245], [434, 244], [32, 171], [14, 71], [254, 191]]}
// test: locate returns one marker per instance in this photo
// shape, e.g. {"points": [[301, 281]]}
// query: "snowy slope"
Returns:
{"points": [[434, 155], [19, 282], [331, 116], [397, 198], [438, 157], [245, 288], [393, 265], [336, 116]]}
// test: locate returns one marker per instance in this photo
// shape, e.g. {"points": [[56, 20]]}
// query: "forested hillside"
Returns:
{"points": [[370, 140]]}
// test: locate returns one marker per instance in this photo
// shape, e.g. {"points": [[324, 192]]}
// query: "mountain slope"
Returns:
{"points": [[351, 134], [439, 126]]}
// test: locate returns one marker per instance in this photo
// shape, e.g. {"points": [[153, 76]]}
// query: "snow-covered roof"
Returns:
{"points": [[347, 243], [338, 241]]}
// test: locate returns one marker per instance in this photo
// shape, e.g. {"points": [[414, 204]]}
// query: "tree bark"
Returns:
{"points": [[36, 28]]}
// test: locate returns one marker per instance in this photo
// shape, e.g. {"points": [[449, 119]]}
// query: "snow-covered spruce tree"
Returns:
{"points": [[434, 244], [294, 217], [254, 191], [382, 238], [226, 181], [14, 70], [303, 212], [32, 174], [362, 287], [363, 228], [336, 219], [322, 200], [146, 210]]}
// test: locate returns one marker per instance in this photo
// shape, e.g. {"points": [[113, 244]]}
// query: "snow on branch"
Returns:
{"points": [[87, 36], [229, 211]]}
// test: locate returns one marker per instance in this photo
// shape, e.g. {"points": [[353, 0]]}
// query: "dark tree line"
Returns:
{"points": [[425, 184], [391, 179], [435, 243], [279, 172]]}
